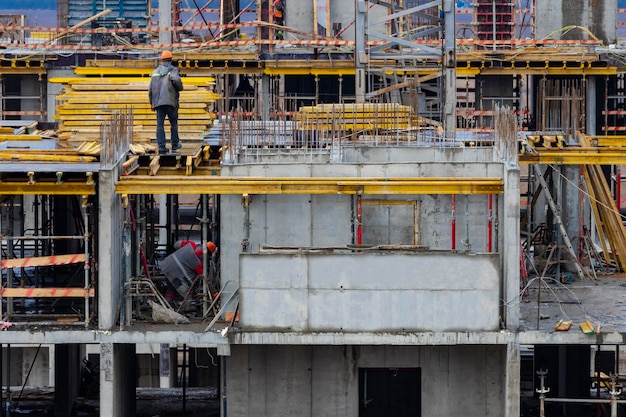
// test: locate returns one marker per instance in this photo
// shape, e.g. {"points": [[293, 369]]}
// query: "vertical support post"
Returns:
{"points": [[359, 215], [86, 265], [453, 221], [490, 223], [542, 391], [618, 187]]}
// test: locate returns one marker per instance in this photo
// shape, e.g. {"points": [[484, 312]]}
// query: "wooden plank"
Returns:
{"points": [[43, 261]]}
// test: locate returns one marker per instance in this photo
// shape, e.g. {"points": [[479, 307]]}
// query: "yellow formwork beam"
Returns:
{"points": [[40, 157], [19, 137], [319, 185], [46, 188], [608, 141], [197, 81], [575, 156], [535, 71], [310, 71]]}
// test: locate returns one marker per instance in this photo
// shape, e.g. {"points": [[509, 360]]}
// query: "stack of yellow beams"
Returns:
{"points": [[608, 218], [354, 117], [85, 103]]}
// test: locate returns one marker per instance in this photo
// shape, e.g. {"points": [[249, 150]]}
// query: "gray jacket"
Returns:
{"points": [[165, 86]]}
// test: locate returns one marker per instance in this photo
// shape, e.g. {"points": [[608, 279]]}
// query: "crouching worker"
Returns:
{"points": [[182, 267]]}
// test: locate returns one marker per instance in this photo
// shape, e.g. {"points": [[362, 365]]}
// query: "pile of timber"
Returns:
{"points": [[354, 117], [609, 221], [23, 131], [86, 103]]}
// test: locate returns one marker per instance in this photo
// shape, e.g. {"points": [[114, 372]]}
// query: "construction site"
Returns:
{"points": [[407, 208]]}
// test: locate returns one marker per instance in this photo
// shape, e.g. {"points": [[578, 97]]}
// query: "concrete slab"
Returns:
{"points": [[603, 303]]}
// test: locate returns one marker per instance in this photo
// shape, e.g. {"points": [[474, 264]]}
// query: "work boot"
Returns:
{"points": [[163, 151], [176, 146]]}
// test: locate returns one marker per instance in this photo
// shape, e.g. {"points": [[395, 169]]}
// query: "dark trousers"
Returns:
{"points": [[172, 115]]}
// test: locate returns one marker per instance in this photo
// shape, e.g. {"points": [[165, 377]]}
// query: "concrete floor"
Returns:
{"points": [[602, 302], [150, 402]]}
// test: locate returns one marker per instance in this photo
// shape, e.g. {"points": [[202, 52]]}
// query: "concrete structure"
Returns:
{"points": [[392, 240]]}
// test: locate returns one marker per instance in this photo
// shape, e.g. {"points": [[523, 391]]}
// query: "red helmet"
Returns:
{"points": [[211, 246]]}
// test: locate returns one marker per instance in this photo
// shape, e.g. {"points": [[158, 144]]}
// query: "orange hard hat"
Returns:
{"points": [[166, 55], [211, 246]]}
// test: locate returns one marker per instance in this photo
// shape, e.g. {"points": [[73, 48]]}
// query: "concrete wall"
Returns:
{"points": [[303, 292], [53, 89], [267, 381], [299, 15], [370, 291], [19, 361], [599, 16]]}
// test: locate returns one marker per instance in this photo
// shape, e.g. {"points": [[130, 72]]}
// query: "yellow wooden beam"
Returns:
{"points": [[197, 81], [19, 137], [323, 185], [310, 71], [47, 188], [608, 141], [19, 156], [575, 156]]}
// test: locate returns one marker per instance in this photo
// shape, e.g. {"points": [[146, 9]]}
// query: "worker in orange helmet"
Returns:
{"points": [[198, 249], [278, 11], [183, 265], [164, 96]]}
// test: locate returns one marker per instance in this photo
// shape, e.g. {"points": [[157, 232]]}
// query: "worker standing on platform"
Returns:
{"points": [[164, 95], [278, 11]]}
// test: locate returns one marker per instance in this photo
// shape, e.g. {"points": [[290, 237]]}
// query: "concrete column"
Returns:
{"points": [[264, 104], [590, 113], [117, 380], [164, 366], [67, 377], [360, 53], [512, 380], [110, 255], [511, 247]]}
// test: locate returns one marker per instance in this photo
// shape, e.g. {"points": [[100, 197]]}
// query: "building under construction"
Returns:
{"points": [[415, 205]]}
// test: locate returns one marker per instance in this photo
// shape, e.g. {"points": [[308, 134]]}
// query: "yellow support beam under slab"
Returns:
{"points": [[46, 188], [608, 141], [319, 185], [575, 156]]}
